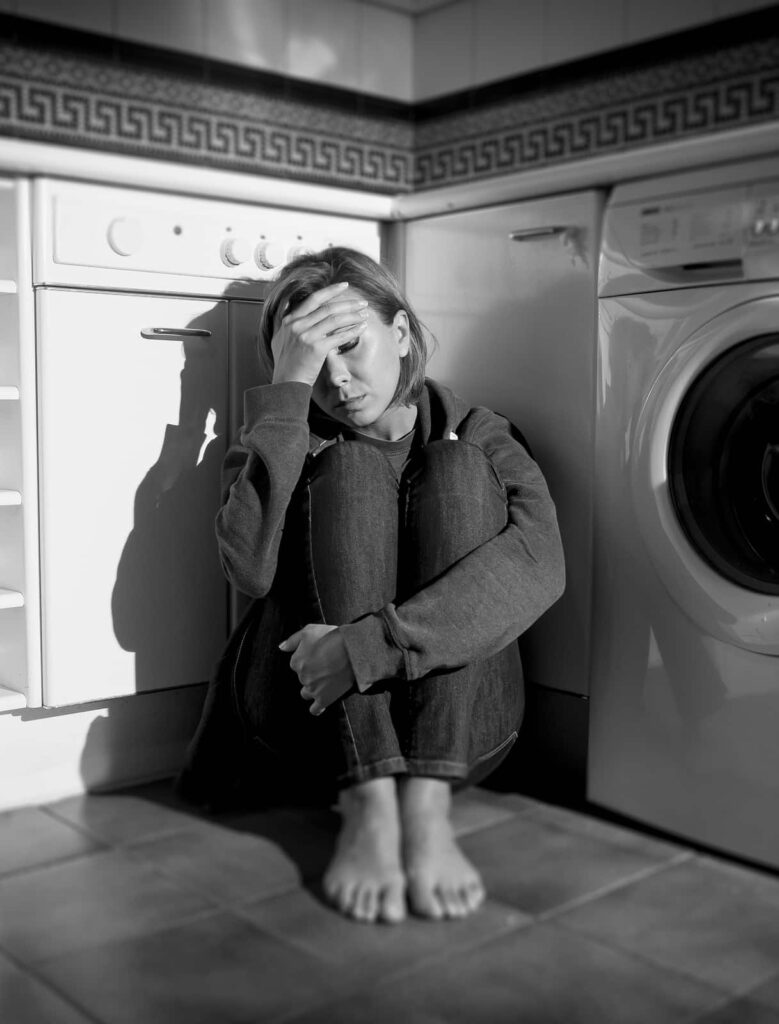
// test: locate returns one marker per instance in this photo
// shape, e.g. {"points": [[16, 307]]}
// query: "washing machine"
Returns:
{"points": [[684, 698]]}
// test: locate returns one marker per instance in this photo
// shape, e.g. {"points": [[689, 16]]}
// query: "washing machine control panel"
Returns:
{"points": [[718, 234]]}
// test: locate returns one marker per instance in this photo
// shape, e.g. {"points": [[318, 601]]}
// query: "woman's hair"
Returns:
{"points": [[312, 271]]}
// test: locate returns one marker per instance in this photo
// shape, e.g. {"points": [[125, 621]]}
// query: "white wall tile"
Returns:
{"points": [[444, 50], [324, 41], [662, 17], [254, 33], [88, 15], [176, 24], [509, 37], [573, 29], [387, 49]]}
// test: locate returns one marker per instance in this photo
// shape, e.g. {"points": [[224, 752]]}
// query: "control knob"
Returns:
{"points": [[235, 251], [125, 236], [299, 250], [269, 255]]}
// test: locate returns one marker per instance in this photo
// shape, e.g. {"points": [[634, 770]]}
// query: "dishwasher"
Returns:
{"points": [[147, 307]]}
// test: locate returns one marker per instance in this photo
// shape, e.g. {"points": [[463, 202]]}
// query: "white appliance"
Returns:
{"points": [[684, 705], [510, 294], [147, 308]]}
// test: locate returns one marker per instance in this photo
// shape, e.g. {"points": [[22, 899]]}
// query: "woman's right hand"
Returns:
{"points": [[306, 334]]}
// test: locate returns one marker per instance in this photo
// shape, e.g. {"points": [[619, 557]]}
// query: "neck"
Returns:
{"points": [[395, 422]]}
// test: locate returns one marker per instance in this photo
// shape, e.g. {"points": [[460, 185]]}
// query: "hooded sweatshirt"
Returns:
{"points": [[476, 608]]}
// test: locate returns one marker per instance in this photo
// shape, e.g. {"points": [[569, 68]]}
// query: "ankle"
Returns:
{"points": [[423, 795], [375, 794]]}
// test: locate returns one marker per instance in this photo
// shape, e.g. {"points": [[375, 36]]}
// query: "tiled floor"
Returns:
{"points": [[130, 909]]}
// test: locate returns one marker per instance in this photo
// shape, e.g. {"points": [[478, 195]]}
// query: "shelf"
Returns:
{"points": [[10, 497], [11, 598], [10, 700], [7, 287], [8, 393]]}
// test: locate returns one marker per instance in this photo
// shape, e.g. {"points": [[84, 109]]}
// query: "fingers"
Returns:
{"points": [[317, 299], [292, 642]]}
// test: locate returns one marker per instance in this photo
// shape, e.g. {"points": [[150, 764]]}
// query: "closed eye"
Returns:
{"points": [[347, 346]]}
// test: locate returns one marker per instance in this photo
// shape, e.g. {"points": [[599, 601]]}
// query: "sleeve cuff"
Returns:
{"points": [[372, 652], [288, 400]]}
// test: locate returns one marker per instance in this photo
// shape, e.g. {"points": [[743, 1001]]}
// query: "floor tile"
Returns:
{"points": [[216, 970], [29, 838], [374, 951], [538, 867], [536, 975], [25, 1000], [714, 922], [306, 835], [471, 812], [599, 828], [121, 818], [87, 901], [226, 866]]}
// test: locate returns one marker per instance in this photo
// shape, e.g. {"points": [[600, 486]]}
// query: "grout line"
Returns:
{"points": [[622, 883], [39, 979], [641, 958]]}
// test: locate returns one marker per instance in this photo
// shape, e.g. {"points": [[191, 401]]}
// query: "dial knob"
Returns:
{"points": [[235, 251], [298, 250], [269, 255], [125, 236]]}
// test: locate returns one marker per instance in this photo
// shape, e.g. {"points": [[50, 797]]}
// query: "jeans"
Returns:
{"points": [[373, 538]]}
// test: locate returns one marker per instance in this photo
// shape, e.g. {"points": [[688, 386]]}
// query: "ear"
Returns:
{"points": [[402, 332]]}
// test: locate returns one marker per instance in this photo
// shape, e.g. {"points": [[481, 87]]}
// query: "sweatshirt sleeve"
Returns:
{"points": [[483, 601], [259, 474]]}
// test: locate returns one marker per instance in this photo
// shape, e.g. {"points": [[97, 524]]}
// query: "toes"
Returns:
{"points": [[474, 895], [366, 904], [424, 901], [392, 905], [452, 903]]}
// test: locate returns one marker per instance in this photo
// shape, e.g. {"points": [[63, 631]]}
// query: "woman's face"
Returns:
{"points": [[358, 379]]}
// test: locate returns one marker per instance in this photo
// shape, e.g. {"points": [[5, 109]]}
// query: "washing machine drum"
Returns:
{"points": [[723, 464]]}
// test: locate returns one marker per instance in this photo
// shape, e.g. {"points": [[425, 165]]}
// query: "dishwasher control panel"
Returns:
{"points": [[95, 236]]}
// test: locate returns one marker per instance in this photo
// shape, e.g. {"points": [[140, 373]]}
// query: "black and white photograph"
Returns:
{"points": [[389, 512]]}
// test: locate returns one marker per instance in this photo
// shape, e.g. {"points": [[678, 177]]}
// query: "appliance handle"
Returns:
{"points": [[531, 234], [174, 332]]}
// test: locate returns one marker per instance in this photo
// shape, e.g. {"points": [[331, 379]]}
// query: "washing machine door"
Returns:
{"points": [[706, 477], [723, 462]]}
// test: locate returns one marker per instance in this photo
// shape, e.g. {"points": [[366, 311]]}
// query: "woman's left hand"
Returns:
{"points": [[322, 664]]}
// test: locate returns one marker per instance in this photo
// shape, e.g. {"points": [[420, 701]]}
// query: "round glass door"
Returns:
{"points": [[723, 464]]}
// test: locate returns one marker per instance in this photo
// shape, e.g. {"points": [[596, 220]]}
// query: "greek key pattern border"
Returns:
{"points": [[50, 98], [733, 87], [53, 97]]}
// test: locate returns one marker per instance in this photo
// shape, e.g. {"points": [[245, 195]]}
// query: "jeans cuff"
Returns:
{"points": [[372, 770]]}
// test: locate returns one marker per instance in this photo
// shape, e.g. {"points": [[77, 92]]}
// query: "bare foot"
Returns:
{"points": [[441, 881], [365, 878]]}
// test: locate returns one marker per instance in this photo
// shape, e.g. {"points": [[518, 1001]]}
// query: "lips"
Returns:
{"points": [[350, 401]]}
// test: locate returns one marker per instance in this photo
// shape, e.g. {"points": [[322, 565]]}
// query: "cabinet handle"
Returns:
{"points": [[531, 234], [174, 332]]}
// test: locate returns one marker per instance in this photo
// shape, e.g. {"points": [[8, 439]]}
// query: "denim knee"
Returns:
{"points": [[356, 460], [456, 467]]}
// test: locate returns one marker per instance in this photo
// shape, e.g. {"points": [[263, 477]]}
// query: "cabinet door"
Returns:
{"points": [[132, 425], [515, 321]]}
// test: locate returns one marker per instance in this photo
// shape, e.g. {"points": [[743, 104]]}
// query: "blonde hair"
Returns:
{"points": [[311, 272]]}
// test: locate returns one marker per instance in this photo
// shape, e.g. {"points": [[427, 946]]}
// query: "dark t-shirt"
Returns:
{"points": [[398, 452]]}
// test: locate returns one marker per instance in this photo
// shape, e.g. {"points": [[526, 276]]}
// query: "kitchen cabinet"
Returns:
{"points": [[132, 396]]}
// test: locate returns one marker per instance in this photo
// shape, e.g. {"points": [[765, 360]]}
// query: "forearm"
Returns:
{"points": [[259, 476]]}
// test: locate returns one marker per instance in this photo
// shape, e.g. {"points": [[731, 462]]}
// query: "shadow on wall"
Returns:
{"points": [[170, 600]]}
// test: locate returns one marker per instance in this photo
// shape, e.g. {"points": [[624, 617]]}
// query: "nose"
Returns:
{"points": [[336, 373]]}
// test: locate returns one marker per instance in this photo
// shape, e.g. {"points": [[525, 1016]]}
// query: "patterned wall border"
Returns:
{"points": [[76, 89], [731, 87], [76, 99]]}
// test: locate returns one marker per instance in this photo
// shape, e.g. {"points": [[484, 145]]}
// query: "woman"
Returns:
{"points": [[400, 543]]}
